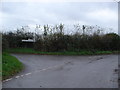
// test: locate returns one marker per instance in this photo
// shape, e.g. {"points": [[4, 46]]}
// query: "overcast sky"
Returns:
{"points": [[17, 14]]}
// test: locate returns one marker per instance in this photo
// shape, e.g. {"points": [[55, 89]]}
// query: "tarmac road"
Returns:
{"points": [[49, 71]]}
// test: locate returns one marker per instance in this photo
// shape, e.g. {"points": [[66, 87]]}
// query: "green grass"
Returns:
{"points": [[10, 66], [104, 52], [82, 52]]}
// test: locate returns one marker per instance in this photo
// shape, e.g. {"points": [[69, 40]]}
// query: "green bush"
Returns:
{"points": [[57, 41]]}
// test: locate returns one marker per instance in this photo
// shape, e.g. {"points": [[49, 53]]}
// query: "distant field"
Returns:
{"points": [[10, 65], [82, 52]]}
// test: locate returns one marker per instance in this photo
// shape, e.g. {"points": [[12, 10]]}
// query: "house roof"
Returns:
{"points": [[29, 40]]}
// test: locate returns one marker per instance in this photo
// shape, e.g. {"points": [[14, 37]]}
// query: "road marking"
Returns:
{"points": [[40, 70], [21, 75], [28, 73], [7, 79], [17, 77]]}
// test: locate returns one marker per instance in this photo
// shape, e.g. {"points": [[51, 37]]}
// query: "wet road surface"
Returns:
{"points": [[49, 71]]}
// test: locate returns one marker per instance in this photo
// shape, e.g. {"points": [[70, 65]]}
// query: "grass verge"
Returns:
{"points": [[82, 52], [10, 65]]}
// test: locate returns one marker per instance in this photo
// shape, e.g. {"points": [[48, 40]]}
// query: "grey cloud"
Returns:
{"points": [[53, 13]]}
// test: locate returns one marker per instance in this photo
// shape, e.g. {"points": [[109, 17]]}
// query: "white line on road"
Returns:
{"points": [[37, 71]]}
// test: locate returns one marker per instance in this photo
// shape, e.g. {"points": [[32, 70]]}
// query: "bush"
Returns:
{"points": [[58, 41], [5, 43]]}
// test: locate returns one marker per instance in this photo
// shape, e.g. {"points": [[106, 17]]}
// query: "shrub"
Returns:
{"points": [[54, 40]]}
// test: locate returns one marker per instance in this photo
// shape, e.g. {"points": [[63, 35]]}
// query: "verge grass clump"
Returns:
{"points": [[10, 65]]}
